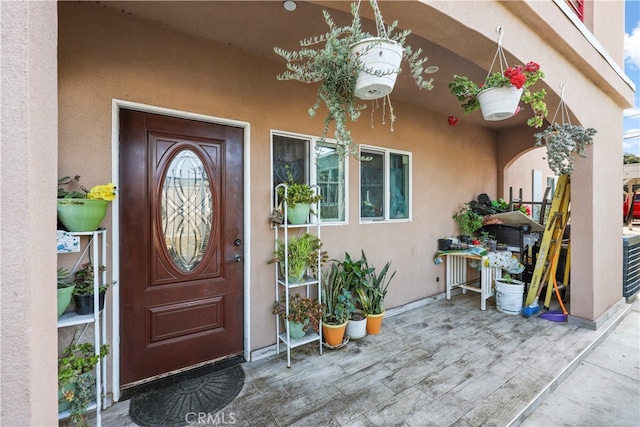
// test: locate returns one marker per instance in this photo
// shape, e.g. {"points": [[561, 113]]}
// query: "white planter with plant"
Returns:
{"points": [[514, 84], [328, 59]]}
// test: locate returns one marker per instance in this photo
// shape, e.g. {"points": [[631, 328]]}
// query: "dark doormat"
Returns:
{"points": [[177, 404]]}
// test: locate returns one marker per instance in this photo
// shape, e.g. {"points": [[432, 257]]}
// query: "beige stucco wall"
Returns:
{"points": [[104, 54], [27, 210]]}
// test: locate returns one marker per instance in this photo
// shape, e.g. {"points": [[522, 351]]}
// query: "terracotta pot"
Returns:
{"points": [[333, 334], [374, 323]]}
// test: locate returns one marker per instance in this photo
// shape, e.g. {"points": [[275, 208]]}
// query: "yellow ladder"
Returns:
{"points": [[551, 243]]}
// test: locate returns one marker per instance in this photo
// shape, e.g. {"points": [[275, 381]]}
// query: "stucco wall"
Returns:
{"points": [[27, 237], [105, 55]]}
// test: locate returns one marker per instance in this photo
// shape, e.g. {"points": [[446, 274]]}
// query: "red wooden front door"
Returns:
{"points": [[181, 244]]}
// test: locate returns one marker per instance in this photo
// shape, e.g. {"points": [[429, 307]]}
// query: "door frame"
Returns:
{"points": [[116, 105]]}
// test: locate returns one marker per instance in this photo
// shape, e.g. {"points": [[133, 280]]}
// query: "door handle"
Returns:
{"points": [[237, 258]]}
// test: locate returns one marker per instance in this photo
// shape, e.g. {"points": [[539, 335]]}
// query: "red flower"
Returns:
{"points": [[518, 80], [532, 67], [452, 120]]}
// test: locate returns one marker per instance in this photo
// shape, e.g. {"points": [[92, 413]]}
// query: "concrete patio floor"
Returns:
{"points": [[444, 363]]}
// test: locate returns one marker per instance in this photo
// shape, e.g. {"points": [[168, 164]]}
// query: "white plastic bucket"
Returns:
{"points": [[509, 296], [377, 55], [499, 103]]}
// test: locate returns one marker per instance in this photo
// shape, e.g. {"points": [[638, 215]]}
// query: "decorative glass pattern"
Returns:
{"points": [[187, 210]]}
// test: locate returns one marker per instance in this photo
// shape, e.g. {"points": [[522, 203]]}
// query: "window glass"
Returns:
{"points": [[291, 154], [330, 173], [385, 188], [399, 185], [325, 169], [372, 199]]}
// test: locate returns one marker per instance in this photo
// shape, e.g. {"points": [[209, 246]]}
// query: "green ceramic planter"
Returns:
{"points": [[296, 330], [64, 298], [82, 214], [299, 214]]}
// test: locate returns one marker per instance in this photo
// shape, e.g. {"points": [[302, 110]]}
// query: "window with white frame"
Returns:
{"points": [[385, 184], [315, 163]]}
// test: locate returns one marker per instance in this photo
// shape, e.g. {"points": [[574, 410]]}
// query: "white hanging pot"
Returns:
{"points": [[499, 103], [381, 56]]}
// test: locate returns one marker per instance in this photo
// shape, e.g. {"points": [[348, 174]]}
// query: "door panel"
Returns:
{"points": [[181, 276]]}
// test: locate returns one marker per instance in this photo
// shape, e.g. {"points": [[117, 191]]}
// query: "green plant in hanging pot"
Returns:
{"points": [[82, 209], [498, 96], [331, 60], [563, 141], [468, 221]]}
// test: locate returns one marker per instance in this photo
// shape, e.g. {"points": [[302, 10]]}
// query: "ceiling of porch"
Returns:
{"points": [[258, 26]]}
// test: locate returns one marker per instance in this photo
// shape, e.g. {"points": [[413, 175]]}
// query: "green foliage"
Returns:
{"points": [[468, 221], [83, 279], [339, 306], [297, 193], [301, 253], [327, 59], [562, 141], [306, 311], [629, 158], [80, 193], [467, 91], [375, 287], [76, 367]]}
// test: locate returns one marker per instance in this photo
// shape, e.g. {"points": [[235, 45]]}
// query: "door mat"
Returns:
{"points": [[173, 405]]}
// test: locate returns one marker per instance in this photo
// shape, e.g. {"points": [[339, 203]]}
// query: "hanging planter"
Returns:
{"points": [[498, 97], [380, 59], [499, 103], [340, 63], [564, 140]]}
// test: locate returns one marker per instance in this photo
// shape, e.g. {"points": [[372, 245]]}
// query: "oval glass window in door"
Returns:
{"points": [[186, 211]]}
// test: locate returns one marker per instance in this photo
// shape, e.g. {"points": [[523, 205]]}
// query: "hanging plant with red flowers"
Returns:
{"points": [[518, 76], [521, 77]]}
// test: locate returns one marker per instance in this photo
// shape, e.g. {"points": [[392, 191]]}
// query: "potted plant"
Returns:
{"points": [[83, 292], [298, 198], [298, 256], [498, 97], [338, 305], [468, 221], [300, 315], [335, 60], [562, 142], [82, 209], [76, 379], [65, 290], [355, 277], [372, 294]]}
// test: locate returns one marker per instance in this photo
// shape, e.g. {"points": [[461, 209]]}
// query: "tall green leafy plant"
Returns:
{"points": [[338, 303], [375, 287]]}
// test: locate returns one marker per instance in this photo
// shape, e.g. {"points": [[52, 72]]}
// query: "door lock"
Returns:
{"points": [[237, 242]]}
